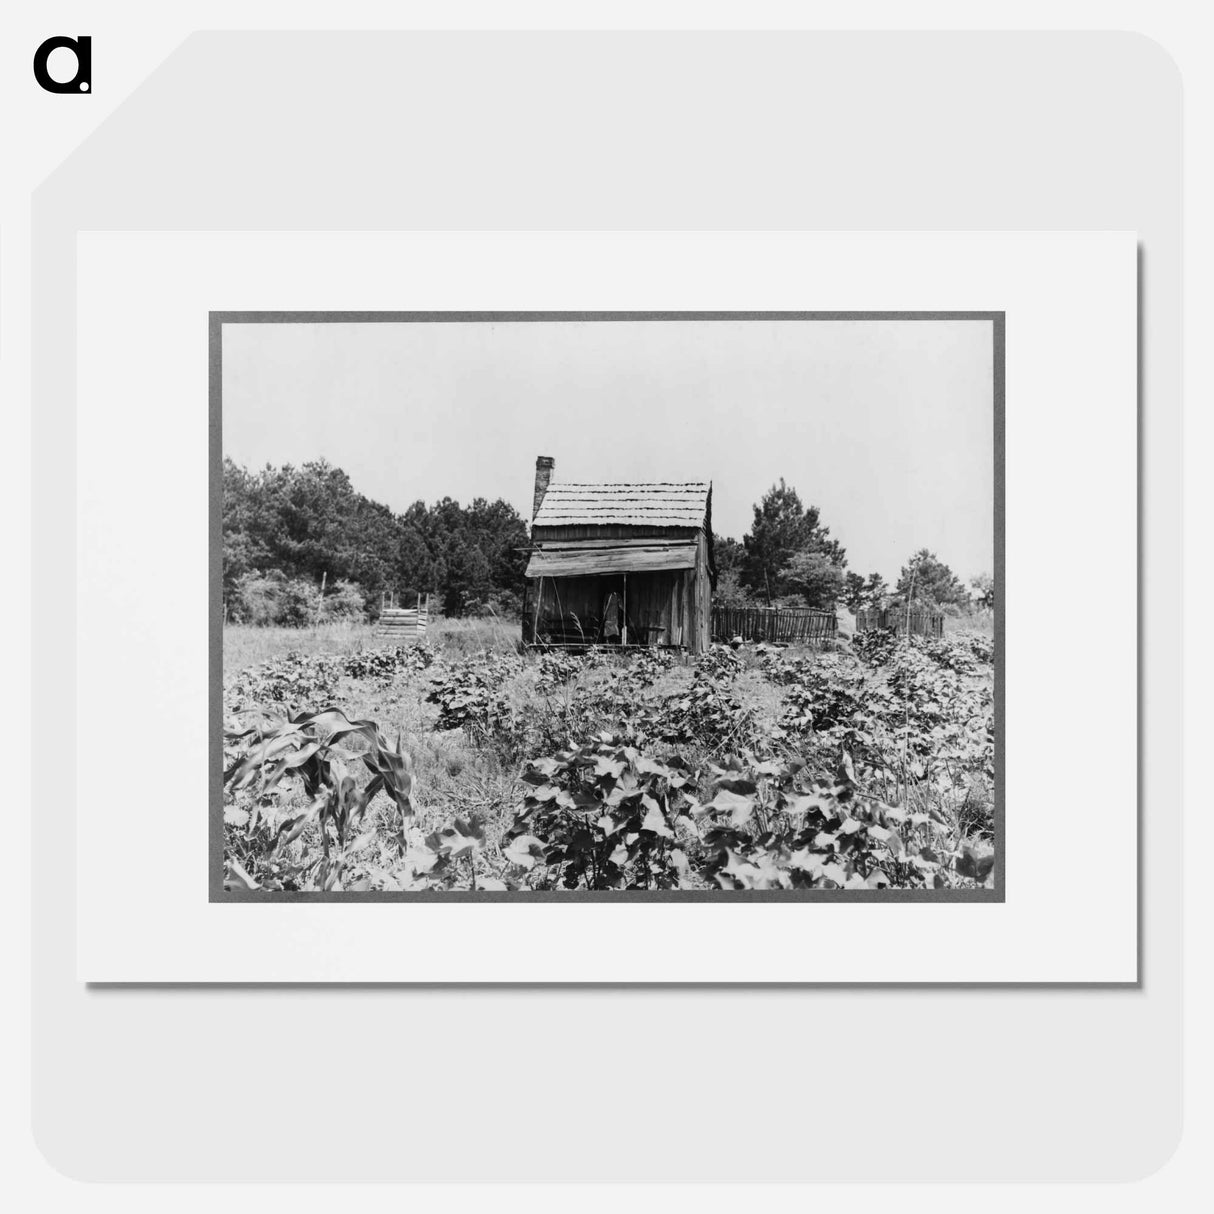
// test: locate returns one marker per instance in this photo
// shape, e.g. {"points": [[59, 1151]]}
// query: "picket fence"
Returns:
{"points": [[783, 625], [919, 623]]}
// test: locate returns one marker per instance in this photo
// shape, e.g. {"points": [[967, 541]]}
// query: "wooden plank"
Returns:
{"points": [[567, 561]]}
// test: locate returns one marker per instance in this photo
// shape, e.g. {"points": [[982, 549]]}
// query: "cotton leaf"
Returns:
{"points": [[741, 787], [655, 820], [806, 860], [833, 872], [649, 767], [974, 865], [739, 869], [524, 850], [801, 804], [738, 808], [454, 842], [421, 860], [846, 770]]}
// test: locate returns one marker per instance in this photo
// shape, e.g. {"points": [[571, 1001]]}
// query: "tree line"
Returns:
{"points": [[290, 531], [790, 559]]}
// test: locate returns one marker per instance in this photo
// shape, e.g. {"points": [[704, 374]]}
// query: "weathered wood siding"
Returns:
{"points": [[611, 531], [703, 594]]}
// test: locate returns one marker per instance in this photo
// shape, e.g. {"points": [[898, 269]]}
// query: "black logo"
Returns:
{"points": [[82, 48]]}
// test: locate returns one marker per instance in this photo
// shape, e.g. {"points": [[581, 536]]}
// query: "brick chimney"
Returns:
{"points": [[543, 475]]}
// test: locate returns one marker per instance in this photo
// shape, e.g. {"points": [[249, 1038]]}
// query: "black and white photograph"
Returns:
{"points": [[611, 605], [625, 537]]}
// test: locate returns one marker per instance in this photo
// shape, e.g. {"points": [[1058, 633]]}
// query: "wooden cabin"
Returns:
{"points": [[619, 564]]}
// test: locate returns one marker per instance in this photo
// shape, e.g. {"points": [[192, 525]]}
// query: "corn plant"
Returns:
{"points": [[306, 747]]}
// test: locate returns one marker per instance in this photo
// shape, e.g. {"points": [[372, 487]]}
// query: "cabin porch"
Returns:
{"points": [[623, 610]]}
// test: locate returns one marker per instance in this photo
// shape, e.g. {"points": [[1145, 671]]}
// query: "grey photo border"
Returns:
{"points": [[215, 875]]}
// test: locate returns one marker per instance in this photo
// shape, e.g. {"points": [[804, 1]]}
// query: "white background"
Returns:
{"points": [[100, 1053], [1071, 311]]}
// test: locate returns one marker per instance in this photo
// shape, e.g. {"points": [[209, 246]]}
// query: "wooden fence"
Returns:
{"points": [[921, 623], [787, 626], [404, 625]]}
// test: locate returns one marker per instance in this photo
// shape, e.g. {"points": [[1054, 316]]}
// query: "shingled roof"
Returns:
{"points": [[658, 504]]}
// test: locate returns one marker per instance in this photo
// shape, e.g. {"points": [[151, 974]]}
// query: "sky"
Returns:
{"points": [[886, 426]]}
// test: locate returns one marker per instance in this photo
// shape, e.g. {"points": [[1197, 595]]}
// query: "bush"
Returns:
{"points": [[302, 680], [603, 816], [556, 670], [505, 604], [875, 646], [982, 647], [273, 598], [707, 715], [720, 662], [344, 601], [772, 826], [294, 678], [910, 713], [470, 693]]}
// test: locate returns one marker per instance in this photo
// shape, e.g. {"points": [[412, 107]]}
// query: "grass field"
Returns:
{"points": [[246, 645], [760, 768]]}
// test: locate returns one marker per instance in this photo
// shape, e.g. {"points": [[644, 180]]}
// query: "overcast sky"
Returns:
{"points": [[886, 426]]}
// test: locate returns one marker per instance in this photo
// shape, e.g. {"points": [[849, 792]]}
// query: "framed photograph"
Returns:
{"points": [[560, 543], [695, 657], [538, 635]]}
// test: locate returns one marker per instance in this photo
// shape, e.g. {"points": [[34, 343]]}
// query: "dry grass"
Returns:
{"points": [[981, 622], [246, 645]]}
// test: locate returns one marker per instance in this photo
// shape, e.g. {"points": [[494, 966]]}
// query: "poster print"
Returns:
{"points": [[653, 606]]}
